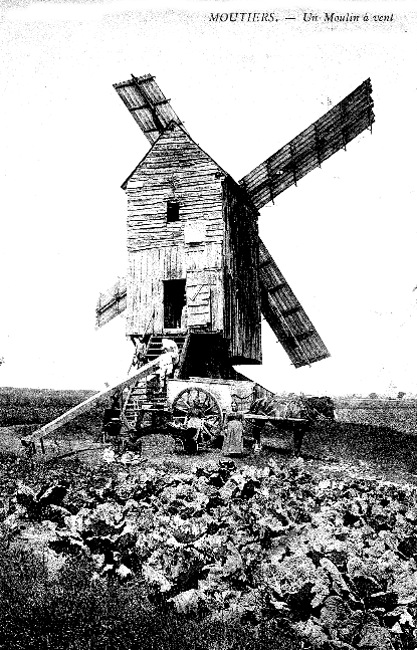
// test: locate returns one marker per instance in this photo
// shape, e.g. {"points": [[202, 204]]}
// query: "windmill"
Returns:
{"points": [[197, 267], [198, 271]]}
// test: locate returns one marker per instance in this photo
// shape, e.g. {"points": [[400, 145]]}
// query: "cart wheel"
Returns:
{"points": [[198, 400]]}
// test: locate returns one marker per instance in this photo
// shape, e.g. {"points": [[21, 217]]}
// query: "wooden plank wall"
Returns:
{"points": [[242, 316], [175, 169], [150, 267]]}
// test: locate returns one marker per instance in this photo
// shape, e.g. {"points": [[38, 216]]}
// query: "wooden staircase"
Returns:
{"points": [[155, 345], [146, 391]]}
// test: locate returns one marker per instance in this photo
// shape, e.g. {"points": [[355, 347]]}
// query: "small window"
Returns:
{"points": [[173, 211]]}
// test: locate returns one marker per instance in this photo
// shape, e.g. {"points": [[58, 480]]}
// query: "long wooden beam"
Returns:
{"points": [[41, 433]]}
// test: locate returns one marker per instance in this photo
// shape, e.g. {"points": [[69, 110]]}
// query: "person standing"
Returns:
{"points": [[233, 439], [112, 423], [193, 424], [168, 362], [257, 427], [139, 355]]}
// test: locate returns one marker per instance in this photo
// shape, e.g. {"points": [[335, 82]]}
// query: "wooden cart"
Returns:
{"points": [[196, 402], [206, 401], [297, 427]]}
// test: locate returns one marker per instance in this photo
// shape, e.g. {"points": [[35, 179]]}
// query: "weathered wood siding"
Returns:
{"points": [[242, 316], [146, 274], [175, 169]]}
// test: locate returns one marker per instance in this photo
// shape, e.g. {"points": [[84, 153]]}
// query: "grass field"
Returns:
{"points": [[399, 415], [28, 406], [23, 410]]}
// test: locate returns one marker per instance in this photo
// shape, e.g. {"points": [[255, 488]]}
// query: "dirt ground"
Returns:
{"points": [[353, 449]]}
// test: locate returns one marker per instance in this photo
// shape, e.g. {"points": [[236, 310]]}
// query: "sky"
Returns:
{"points": [[345, 238]]}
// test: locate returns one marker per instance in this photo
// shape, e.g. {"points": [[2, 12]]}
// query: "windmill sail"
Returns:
{"points": [[310, 148], [286, 317], [147, 105], [111, 303]]}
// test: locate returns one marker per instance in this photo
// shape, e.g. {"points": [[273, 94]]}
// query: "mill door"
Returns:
{"points": [[202, 297], [174, 303]]}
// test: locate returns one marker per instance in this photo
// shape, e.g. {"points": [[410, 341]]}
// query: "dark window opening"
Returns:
{"points": [[173, 211], [174, 303]]}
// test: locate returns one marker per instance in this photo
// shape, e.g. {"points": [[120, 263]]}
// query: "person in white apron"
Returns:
{"points": [[167, 362]]}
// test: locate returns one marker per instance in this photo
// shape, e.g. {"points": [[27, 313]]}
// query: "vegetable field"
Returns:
{"points": [[167, 551], [299, 551]]}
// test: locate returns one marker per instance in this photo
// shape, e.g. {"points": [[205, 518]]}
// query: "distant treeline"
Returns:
{"points": [[36, 406]]}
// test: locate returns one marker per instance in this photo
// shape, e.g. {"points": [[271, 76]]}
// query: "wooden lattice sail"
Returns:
{"points": [[147, 104], [285, 315], [111, 303], [332, 132]]}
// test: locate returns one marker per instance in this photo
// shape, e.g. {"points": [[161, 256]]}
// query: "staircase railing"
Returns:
{"points": [[183, 356]]}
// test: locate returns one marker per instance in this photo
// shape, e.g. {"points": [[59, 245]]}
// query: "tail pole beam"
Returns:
{"points": [[39, 434]]}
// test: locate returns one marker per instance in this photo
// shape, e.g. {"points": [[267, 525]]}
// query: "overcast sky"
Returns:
{"points": [[345, 238]]}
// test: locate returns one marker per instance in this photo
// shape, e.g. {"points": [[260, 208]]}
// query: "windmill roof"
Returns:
{"points": [[179, 126]]}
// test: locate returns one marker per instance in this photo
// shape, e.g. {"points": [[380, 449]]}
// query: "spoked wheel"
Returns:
{"points": [[198, 402]]}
